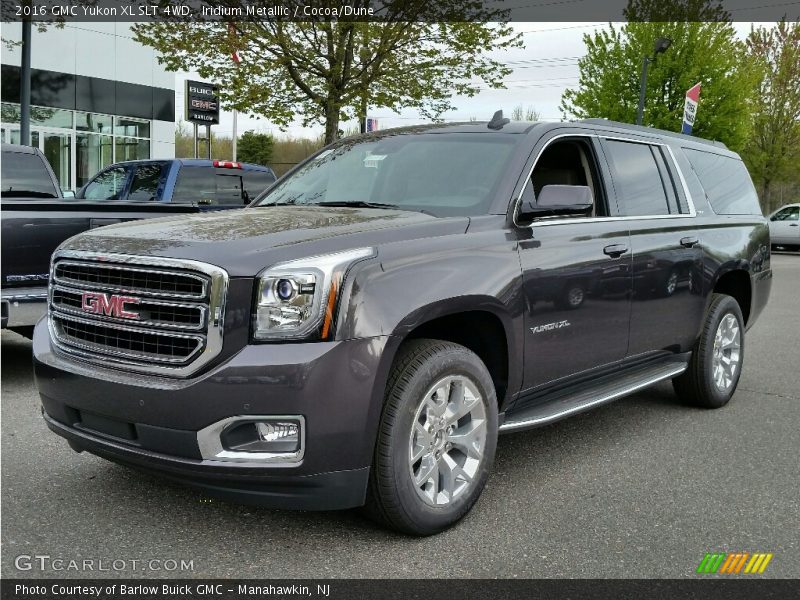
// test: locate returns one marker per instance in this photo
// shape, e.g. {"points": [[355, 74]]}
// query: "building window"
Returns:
{"points": [[79, 144]]}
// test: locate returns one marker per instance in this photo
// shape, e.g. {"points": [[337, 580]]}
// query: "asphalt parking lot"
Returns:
{"points": [[643, 487]]}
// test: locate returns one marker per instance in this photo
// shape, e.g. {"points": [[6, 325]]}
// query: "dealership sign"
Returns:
{"points": [[202, 104], [690, 108]]}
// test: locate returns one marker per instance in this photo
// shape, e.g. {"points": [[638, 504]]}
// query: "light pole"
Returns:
{"points": [[660, 47]]}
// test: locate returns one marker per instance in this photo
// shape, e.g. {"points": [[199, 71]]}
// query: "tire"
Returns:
{"points": [[697, 385], [572, 297], [393, 499]]}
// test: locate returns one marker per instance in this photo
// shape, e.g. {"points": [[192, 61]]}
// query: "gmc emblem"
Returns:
{"points": [[110, 305]]}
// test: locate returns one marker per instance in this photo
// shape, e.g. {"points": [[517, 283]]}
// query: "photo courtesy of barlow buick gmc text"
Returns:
{"points": [[394, 298]]}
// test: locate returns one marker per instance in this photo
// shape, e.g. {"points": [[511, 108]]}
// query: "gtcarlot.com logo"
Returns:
{"points": [[45, 562], [734, 563]]}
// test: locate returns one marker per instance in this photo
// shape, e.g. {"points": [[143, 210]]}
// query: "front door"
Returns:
{"points": [[576, 272]]}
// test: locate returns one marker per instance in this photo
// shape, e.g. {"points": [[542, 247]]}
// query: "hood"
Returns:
{"points": [[245, 241]]}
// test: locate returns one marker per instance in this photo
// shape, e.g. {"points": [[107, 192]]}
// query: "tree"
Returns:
{"points": [[412, 54], [773, 150], [525, 114], [704, 49], [255, 148]]}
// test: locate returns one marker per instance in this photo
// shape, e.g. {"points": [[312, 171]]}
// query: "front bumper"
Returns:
{"points": [[151, 423], [23, 307]]}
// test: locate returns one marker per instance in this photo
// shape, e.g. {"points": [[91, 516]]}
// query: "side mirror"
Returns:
{"points": [[559, 200]]}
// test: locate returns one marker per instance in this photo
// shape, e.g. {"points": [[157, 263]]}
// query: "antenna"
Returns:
{"points": [[498, 121]]}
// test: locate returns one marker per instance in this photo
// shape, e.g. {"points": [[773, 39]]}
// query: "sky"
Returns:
{"points": [[543, 68]]}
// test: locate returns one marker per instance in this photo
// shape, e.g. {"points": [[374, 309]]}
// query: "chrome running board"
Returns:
{"points": [[567, 405]]}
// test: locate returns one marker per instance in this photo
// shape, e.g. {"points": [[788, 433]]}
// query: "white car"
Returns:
{"points": [[784, 226]]}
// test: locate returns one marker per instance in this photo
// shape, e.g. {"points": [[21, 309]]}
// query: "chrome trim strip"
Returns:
{"points": [[515, 425], [563, 221], [208, 440], [108, 351], [200, 325], [131, 290], [217, 295]]}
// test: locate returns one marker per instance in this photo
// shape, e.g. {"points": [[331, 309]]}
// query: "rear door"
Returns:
{"points": [[667, 300]]}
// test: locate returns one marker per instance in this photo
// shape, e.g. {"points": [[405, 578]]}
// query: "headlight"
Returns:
{"points": [[298, 298]]}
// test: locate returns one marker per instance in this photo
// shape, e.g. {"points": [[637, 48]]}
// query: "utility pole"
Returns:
{"points": [[660, 47], [25, 85]]}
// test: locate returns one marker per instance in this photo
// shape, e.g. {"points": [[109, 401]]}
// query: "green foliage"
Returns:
{"points": [[706, 52], [255, 148], [415, 54], [773, 150]]}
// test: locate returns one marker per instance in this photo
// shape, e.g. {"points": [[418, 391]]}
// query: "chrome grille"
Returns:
{"points": [[143, 314]]}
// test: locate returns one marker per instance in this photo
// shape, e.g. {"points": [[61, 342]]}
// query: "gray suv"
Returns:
{"points": [[361, 334]]}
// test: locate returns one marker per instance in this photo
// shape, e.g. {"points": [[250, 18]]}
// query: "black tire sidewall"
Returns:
{"points": [[456, 360], [713, 396]]}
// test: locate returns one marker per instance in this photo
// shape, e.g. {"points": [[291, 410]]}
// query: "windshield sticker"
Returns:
{"points": [[373, 160]]}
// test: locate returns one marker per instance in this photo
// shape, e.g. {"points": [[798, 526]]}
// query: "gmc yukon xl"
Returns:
{"points": [[361, 334]]}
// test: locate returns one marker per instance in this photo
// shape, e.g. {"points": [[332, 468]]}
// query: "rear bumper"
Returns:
{"points": [[152, 423], [23, 307]]}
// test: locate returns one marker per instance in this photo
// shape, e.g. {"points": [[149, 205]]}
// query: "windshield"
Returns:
{"points": [[440, 174]]}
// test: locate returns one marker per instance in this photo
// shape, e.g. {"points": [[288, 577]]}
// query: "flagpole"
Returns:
{"points": [[234, 135]]}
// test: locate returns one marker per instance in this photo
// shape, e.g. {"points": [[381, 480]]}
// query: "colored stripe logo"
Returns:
{"points": [[734, 563]]}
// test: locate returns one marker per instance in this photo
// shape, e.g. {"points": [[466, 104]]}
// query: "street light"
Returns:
{"points": [[660, 47]]}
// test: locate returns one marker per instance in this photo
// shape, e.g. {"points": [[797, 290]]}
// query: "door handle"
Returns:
{"points": [[615, 250], [689, 242], [792, 224]]}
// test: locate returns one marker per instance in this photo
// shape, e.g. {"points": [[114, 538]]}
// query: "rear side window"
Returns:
{"points": [[146, 180], [640, 189], [256, 182], [108, 185], [25, 176], [204, 185], [726, 183]]}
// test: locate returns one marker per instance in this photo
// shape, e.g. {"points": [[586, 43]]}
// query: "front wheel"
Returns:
{"points": [[717, 357], [437, 438]]}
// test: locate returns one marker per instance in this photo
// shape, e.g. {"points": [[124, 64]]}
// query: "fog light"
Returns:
{"points": [[278, 431], [274, 436]]}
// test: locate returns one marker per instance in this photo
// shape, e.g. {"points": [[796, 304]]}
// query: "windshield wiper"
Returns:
{"points": [[358, 204]]}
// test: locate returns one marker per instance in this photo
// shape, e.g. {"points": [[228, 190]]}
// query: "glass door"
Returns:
{"points": [[57, 148]]}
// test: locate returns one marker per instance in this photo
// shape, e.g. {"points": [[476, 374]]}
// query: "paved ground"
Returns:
{"points": [[640, 488]]}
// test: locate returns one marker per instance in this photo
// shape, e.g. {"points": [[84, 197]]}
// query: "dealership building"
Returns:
{"points": [[97, 97]]}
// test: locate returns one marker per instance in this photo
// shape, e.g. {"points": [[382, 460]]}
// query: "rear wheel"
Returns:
{"points": [[717, 357], [437, 438]]}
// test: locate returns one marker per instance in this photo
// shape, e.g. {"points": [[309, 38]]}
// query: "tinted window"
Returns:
{"points": [[726, 183], [26, 176], [146, 181], [791, 213], [108, 185], [637, 180], [256, 182], [205, 185]]}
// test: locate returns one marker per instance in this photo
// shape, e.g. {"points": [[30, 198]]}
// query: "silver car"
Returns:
{"points": [[784, 227]]}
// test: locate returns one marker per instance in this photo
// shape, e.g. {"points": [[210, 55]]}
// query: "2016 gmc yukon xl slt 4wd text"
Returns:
{"points": [[362, 333]]}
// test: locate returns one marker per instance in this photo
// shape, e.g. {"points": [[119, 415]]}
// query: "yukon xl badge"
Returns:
{"points": [[550, 326], [110, 305]]}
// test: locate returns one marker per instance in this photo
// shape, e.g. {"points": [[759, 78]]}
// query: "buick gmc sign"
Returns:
{"points": [[202, 105]]}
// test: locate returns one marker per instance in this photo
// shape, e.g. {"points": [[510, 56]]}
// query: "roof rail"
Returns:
{"points": [[652, 130]]}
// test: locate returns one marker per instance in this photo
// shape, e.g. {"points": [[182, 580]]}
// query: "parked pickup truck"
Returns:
{"points": [[363, 333], [36, 219], [218, 183]]}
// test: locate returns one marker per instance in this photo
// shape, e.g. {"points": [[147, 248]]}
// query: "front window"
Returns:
{"points": [[441, 174]]}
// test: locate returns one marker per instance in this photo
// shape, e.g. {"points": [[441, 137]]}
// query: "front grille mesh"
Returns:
{"points": [[130, 313]]}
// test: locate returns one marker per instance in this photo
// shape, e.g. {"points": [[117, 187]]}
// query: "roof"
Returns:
{"points": [[19, 148], [652, 131]]}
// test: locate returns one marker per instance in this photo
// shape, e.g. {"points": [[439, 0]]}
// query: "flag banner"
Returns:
{"points": [[690, 108], [372, 124]]}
